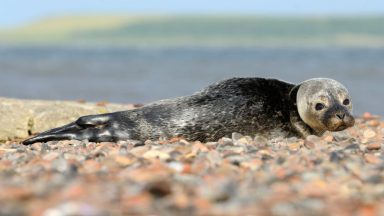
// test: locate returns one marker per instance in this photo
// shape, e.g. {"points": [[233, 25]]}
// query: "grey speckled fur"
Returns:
{"points": [[246, 105]]}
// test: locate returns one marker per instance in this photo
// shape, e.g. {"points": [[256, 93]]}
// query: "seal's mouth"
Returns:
{"points": [[341, 127]]}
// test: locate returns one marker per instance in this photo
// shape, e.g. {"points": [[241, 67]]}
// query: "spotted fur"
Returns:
{"points": [[246, 105]]}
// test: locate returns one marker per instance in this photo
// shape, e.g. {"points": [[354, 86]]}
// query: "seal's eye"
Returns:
{"points": [[346, 102], [319, 106]]}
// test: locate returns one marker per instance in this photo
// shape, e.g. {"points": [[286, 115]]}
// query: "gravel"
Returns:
{"points": [[336, 174]]}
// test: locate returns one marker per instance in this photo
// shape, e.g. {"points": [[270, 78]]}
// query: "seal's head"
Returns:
{"points": [[323, 104]]}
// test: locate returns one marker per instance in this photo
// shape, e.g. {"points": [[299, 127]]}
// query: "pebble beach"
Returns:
{"points": [[337, 174]]}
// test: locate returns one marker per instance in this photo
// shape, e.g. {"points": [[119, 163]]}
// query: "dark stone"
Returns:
{"points": [[137, 143], [353, 146], [375, 179], [159, 189], [336, 156]]}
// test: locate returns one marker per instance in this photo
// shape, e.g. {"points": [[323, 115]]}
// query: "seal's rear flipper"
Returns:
{"points": [[86, 127]]}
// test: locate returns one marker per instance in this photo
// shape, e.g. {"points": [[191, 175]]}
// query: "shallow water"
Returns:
{"points": [[131, 75]]}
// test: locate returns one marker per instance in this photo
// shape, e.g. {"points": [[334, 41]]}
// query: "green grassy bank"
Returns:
{"points": [[200, 31]]}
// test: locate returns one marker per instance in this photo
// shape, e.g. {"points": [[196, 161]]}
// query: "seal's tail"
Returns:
{"points": [[86, 127]]}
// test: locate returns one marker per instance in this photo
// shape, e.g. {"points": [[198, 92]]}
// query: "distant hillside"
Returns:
{"points": [[200, 31]]}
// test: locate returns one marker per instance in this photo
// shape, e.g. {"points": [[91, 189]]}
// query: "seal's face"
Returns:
{"points": [[324, 104]]}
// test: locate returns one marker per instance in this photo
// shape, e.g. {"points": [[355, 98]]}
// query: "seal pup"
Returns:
{"points": [[246, 105]]}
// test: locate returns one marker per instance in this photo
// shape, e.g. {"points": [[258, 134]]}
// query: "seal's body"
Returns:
{"points": [[246, 105]]}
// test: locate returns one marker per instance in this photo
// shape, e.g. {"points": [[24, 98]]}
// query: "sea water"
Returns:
{"points": [[141, 75]]}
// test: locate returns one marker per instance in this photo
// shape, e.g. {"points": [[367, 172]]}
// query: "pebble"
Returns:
{"points": [[51, 156], [370, 158], [236, 149], [244, 140], [309, 144], [214, 158], [7, 150], [156, 154], [313, 138], [177, 166], [328, 137], [369, 133], [352, 148], [315, 142], [236, 136], [283, 208], [140, 150], [336, 156], [373, 123], [199, 147], [294, 146], [225, 142], [137, 143], [72, 208], [261, 141], [374, 146], [124, 161], [211, 145], [367, 116]]}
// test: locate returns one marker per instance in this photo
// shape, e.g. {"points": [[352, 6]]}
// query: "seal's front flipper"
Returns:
{"points": [[86, 127], [93, 120]]}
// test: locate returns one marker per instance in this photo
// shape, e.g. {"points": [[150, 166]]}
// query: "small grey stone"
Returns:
{"points": [[211, 144], [341, 136], [45, 147], [52, 142], [123, 149], [375, 179], [283, 208], [352, 148], [225, 142], [236, 136], [315, 206], [252, 149], [261, 141], [175, 154], [336, 156], [137, 143]]}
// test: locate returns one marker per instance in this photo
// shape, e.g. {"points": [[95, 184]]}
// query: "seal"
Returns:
{"points": [[249, 106]]}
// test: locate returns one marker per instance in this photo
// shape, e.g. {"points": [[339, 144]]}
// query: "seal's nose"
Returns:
{"points": [[340, 116]]}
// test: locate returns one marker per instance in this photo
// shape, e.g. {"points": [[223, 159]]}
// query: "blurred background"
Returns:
{"points": [[140, 51]]}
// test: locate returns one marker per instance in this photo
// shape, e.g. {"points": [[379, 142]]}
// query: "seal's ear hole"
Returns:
{"points": [[293, 93]]}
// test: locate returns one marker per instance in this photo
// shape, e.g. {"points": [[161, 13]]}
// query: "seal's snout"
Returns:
{"points": [[343, 121], [338, 119], [345, 117]]}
